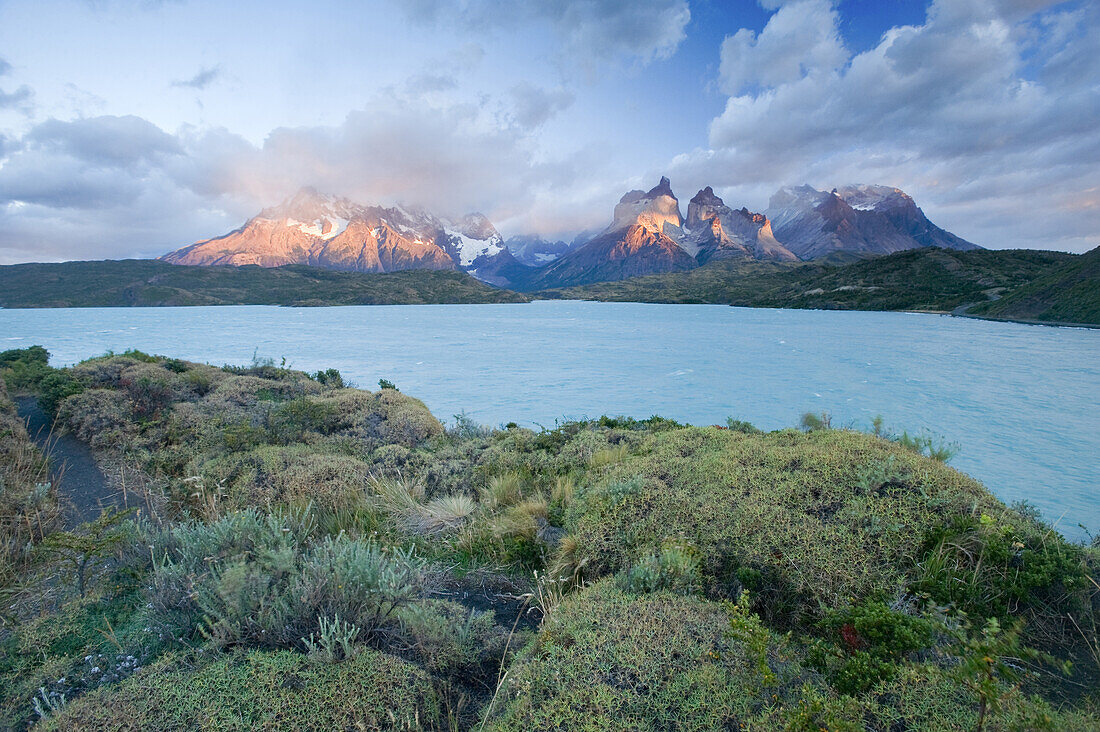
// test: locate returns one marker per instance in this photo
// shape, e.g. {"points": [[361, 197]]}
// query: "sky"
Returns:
{"points": [[129, 128]]}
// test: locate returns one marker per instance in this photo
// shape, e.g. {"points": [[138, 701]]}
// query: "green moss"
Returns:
{"points": [[788, 515], [67, 651], [649, 662], [261, 691]]}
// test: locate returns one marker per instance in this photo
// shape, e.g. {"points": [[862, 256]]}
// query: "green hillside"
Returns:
{"points": [[140, 282], [919, 279], [1069, 293]]}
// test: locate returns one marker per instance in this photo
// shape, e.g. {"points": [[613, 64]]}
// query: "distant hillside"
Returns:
{"points": [[917, 279], [138, 282], [1069, 293]]}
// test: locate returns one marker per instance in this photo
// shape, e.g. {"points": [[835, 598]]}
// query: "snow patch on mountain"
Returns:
{"points": [[469, 248]]}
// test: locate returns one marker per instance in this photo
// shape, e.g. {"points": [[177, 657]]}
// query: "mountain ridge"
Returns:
{"points": [[648, 234]]}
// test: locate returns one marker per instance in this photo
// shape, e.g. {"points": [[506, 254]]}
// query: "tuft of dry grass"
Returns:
{"points": [[444, 514], [502, 491], [29, 505], [608, 456], [403, 499]]}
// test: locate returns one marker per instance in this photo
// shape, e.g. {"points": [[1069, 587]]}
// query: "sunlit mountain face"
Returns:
{"points": [[648, 234]]}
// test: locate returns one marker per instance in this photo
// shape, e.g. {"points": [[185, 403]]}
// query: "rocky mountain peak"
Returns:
{"points": [[861, 218], [652, 210], [874, 197], [706, 197], [476, 226], [664, 188], [703, 206]]}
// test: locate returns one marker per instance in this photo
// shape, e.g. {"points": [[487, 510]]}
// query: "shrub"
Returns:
{"points": [[934, 447], [866, 644], [774, 513], [29, 505], [24, 368], [738, 425], [253, 580], [606, 659], [985, 566], [261, 690], [675, 568], [56, 387], [812, 422], [100, 417], [466, 427], [89, 544], [291, 421], [335, 641], [449, 639]]}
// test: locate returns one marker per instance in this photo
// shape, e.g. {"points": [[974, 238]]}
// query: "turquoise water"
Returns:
{"points": [[1020, 400]]}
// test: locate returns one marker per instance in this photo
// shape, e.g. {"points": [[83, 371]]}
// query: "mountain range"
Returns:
{"points": [[648, 234]]}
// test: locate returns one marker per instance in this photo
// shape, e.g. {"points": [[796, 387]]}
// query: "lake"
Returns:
{"points": [[1021, 401]]}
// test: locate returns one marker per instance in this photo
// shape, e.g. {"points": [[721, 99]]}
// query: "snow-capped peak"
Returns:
{"points": [[474, 236], [871, 197]]}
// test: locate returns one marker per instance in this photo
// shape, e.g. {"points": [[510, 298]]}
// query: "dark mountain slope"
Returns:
{"points": [[1069, 293], [918, 279], [138, 282]]}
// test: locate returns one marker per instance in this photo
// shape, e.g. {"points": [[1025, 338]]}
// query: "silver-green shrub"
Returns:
{"points": [[257, 580]]}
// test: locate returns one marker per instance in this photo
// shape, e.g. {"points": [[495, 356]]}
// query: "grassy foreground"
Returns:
{"points": [[300, 554], [146, 282]]}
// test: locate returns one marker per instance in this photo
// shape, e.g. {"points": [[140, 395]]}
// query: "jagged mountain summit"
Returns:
{"points": [[713, 230], [326, 231], [534, 250], [856, 219], [648, 235]]}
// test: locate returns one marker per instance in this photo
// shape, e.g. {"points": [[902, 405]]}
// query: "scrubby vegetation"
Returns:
{"points": [[299, 554], [1069, 293], [29, 506], [920, 279]]}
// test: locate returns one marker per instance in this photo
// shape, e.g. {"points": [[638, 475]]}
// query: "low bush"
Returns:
{"points": [[24, 368], [865, 644], [450, 639], [256, 581], [103, 418], [795, 517], [1006, 566], [674, 568], [261, 690], [654, 661]]}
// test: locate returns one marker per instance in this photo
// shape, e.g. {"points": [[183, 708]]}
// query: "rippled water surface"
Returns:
{"points": [[1020, 400]]}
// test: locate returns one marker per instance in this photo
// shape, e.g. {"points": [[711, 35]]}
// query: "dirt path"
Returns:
{"points": [[72, 467]]}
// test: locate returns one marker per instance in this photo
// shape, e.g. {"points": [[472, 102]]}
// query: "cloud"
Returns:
{"points": [[985, 113], [107, 141], [534, 105], [430, 83], [18, 100], [121, 186], [801, 39], [204, 78], [592, 32]]}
